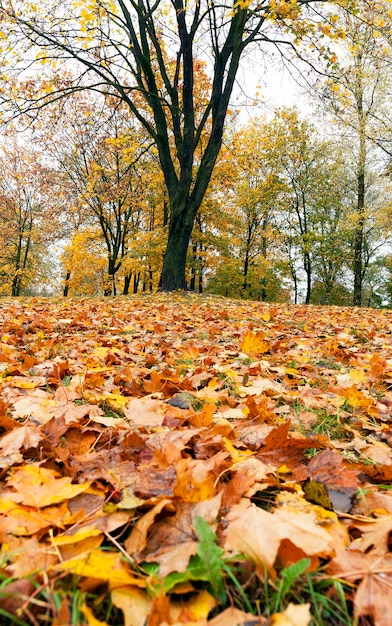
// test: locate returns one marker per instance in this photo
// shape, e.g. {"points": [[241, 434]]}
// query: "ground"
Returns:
{"points": [[184, 459]]}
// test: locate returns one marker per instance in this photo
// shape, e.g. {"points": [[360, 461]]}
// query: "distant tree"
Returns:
{"points": [[104, 163], [28, 216], [252, 193], [358, 96]]}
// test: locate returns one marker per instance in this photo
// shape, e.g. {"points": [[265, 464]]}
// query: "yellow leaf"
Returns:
{"points": [[190, 487], [40, 487], [201, 605], [90, 617], [254, 344], [237, 455], [80, 535], [22, 382], [356, 399], [86, 15], [107, 566], [358, 376]]}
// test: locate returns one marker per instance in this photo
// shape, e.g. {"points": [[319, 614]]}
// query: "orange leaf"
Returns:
{"points": [[254, 344]]}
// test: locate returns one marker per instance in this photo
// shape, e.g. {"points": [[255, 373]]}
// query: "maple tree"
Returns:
{"points": [[194, 460], [139, 52]]}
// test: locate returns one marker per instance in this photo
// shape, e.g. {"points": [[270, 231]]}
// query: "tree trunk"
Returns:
{"points": [[66, 284], [110, 287], [308, 271], [127, 282], [200, 277], [136, 279], [174, 261], [358, 266], [358, 242], [192, 284], [15, 286]]}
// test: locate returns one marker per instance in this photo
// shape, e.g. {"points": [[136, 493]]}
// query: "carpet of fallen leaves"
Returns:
{"points": [[125, 420]]}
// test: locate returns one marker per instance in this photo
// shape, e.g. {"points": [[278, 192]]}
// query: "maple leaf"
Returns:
{"points": [[373, 573], [254, 344], [147, 411], [39, 487], [171, 540], [23, 438], [258, 533], [374, 535]]}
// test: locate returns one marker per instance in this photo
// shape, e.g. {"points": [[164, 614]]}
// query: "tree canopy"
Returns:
{"points": [[174, 64]]}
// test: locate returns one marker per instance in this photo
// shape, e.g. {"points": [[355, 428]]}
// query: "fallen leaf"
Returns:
{"points": [[294, 615], [39, 487], [373, 573]]}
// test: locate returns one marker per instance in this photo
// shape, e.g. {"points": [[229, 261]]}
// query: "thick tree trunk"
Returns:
{"points": [[110, 287], [15, 291], [174, 262], [193, 270]]}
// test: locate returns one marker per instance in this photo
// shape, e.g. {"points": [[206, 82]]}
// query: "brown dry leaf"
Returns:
{"points": [[147, 411], [118, 462], [23, 438], [26, 556], [378, 452], [373, 573], [137, 540], [134, 603], [371, 502], [160, 611], [375, 535], [35, 406], [330, 468], [171, 540], [258, 533]]}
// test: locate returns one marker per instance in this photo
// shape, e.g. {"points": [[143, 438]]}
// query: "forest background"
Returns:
{"points": [[298, 207]]}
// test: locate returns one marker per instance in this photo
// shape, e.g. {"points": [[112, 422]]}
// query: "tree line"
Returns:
{"points": [[133, 173]]}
